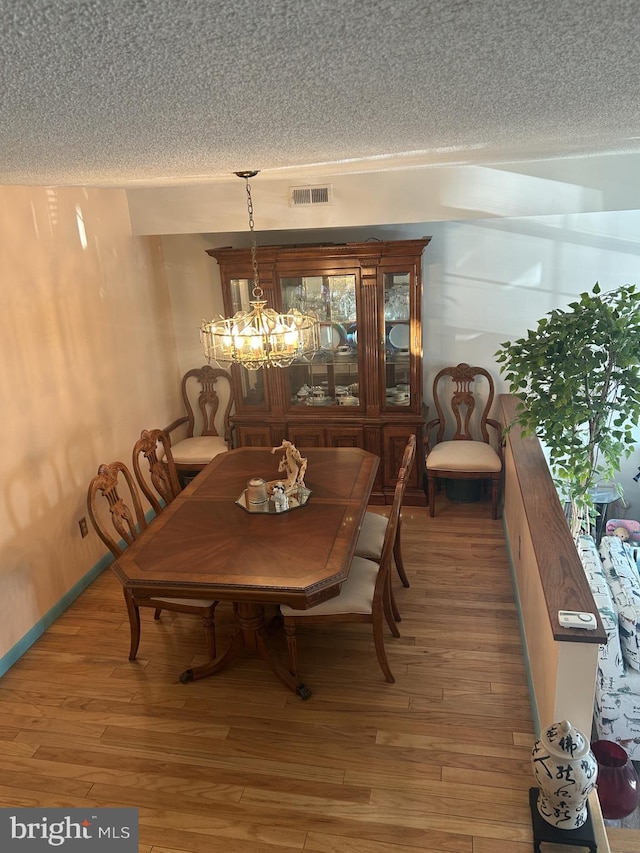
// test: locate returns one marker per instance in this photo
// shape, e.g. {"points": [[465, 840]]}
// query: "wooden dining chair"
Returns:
{"points": [[466, 454], [374, 526], [155, 447], [363, 597], [204, 430], [115, 483]]}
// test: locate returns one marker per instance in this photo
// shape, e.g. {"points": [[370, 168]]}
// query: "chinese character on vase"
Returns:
{"points": [[566, 771]]}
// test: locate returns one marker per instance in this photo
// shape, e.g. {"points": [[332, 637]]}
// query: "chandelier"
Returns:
{"points": [[260, 337]]}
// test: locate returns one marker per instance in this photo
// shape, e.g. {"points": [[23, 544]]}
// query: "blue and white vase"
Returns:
{"points": [[566, 771]]}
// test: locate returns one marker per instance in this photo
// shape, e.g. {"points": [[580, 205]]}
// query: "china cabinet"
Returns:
{"points": [[364, 387]]}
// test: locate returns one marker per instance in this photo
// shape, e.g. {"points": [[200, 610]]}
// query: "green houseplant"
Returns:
{"points": [[576, 381]]}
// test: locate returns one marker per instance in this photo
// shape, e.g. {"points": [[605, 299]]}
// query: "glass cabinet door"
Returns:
{"points": [[251, 381], [397, 349], [331, 378]]}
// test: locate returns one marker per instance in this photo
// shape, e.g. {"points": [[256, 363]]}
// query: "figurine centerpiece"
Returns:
{"points": [[293, 465], [286, 493]]}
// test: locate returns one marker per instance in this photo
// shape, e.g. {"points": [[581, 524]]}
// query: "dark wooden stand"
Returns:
{"points": [[544, 832]]}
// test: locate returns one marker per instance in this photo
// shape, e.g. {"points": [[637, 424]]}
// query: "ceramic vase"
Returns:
{"points": [[566, 771], [618, 784]]}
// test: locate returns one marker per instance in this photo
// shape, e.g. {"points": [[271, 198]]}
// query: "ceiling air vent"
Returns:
{"points": [[310, 195]]}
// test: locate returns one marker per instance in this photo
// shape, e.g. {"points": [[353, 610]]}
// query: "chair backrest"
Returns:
{"points": [[115, 483], [455, 394], [155, 446], [207, 397], [386, 556], [409, 455]]}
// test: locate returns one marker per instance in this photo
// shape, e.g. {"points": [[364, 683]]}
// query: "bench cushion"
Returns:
{"points": [[624, 583], [610, 658]]}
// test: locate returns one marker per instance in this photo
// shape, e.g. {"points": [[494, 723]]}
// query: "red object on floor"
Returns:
{"points": [[618, 784]]}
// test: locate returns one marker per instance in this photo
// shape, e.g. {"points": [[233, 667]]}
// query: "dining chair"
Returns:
{"points": [[363, 597], [374, 526], [205, 428], [468, 453], [155, 446], [121, 528]]}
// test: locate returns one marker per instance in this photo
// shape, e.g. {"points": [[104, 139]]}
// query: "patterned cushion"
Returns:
{"points": [[610, 660], [624, 583], [617, 711]]}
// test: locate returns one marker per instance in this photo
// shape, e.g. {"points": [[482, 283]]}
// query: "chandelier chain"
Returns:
{"points": [[257, 290]]}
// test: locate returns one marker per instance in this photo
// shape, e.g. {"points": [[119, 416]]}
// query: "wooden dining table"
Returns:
{"points": [[205, 545]]}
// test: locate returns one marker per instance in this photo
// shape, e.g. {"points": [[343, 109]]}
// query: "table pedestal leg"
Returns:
{"points": [[250, 635]]}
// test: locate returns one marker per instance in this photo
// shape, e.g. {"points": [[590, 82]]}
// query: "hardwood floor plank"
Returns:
{"points": [[624, 840], [238, 763], [435, 842]]}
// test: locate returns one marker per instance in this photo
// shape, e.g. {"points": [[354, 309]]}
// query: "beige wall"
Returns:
{"points": [[88, 359], [193, 280]]}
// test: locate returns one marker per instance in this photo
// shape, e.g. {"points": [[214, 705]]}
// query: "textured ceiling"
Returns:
{"points": [[153, 92]]}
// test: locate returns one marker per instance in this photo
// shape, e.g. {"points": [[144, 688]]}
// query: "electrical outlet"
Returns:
{"points": [[83, 527]]}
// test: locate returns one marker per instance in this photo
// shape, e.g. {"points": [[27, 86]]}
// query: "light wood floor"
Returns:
{"points": [[437, 762]]}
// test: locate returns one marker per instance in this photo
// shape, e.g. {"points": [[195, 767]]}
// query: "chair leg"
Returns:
{"points": [[292, 644], [134, 623], [389, 609], [432, 494], [397, 556], [394, 607], [209, 623], [378, 641], [157, 612]]}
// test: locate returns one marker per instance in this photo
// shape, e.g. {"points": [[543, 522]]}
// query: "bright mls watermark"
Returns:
{"points": [[69, 830]]}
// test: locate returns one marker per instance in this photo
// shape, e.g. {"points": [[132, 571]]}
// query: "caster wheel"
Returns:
{"points": [[303, 691], [186, 676]]}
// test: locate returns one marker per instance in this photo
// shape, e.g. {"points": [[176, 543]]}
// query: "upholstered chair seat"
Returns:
{"points": [[371, 537], [198, 450], [374, 529], [364, 596], [120, 521], [466, 456], [205, 430], [463, 396], [356, 593]]}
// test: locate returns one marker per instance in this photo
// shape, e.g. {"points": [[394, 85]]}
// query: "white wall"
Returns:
{"points": [[485, 281], [88, 360], [405, 195]]}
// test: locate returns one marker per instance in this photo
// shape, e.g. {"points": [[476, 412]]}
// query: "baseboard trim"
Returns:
{"points": [[15, 653]]}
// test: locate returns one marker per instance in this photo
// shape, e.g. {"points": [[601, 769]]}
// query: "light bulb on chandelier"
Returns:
{"points": [[260, 337]]}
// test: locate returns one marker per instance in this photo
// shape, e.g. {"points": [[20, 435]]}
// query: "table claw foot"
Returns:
{"points": [[303, 691], [186, 676]]}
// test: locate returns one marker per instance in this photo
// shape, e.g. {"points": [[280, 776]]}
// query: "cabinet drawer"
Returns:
{"points": [[253, 436], [303, 435], [345, 437]]}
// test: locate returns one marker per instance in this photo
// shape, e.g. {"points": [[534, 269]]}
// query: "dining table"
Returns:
{"points": [[207, 544]]}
